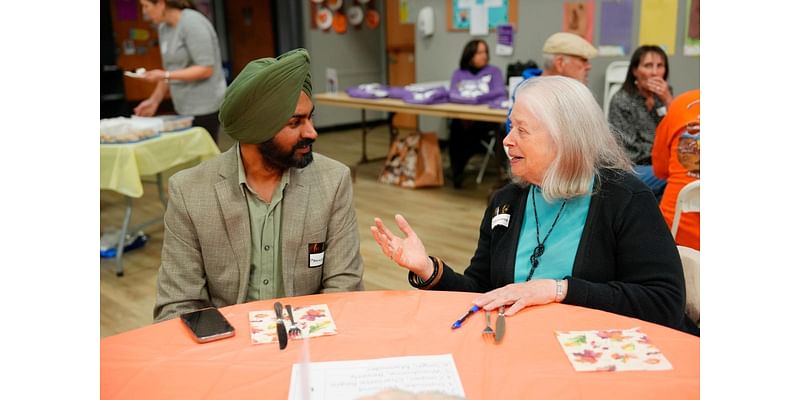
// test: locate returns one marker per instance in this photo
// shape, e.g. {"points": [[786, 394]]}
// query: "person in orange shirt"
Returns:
{"points": [[676, 158]]}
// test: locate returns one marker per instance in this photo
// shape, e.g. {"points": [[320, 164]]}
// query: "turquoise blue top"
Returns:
{"points": [[559, 255]]}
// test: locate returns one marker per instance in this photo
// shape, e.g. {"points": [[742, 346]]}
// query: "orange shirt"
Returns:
{"points": [[676, 158]]}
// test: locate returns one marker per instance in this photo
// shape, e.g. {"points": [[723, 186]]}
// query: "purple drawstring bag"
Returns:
{"points": [[397, 92], [435, 95], [501, 102], [481, 88], [369, 91]]}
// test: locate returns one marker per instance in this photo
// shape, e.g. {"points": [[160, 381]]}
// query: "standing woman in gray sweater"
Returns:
{"points": [[192, 63]]}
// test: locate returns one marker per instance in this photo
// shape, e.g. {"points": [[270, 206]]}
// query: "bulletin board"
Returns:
{"points": [[499, 12]]}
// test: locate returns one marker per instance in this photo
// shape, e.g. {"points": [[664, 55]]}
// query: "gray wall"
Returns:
{"points": [[358, 56], [437, 56]]}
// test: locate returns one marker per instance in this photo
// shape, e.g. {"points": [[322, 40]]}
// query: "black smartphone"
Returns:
{"points": [[207, 324]]}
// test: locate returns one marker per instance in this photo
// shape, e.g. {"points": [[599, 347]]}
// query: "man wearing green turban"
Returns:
{"points": [[267, 218]]}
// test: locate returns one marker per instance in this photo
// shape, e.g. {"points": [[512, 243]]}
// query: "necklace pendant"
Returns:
{"points": [[538, 250]]}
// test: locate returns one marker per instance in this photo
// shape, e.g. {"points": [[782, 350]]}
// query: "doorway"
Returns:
{"points": [[250, 32]]}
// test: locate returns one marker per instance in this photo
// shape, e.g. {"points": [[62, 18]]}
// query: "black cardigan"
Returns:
{"points": [[626, 263]]}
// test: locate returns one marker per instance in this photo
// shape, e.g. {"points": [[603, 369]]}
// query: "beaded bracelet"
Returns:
{"points": [[415, 281], [559, 290]]}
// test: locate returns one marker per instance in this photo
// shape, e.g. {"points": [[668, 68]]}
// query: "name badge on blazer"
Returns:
{"points": [[316, 255], [502, 215]]}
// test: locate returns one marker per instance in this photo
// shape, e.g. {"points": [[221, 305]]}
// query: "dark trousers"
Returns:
{"points": [[210, 122], [465, 141]]}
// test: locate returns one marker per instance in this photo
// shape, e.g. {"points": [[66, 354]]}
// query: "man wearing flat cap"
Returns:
{"points": [[564, 54], [568, 54], [267, 218]]}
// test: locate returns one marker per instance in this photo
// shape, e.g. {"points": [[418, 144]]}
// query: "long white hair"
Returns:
{"points": [[583, 138]]}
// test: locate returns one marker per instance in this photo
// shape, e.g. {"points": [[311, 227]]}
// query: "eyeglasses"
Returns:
{"points": [[577, 59]]}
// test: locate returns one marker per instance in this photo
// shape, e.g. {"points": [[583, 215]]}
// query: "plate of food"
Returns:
{"points": [[139, 73]]}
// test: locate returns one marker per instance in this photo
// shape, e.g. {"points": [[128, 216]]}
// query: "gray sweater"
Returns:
{"points": [[634, 125], [193, 41]]}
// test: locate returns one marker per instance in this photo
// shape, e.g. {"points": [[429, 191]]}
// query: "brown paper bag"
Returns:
{"points": [[414, 161]]}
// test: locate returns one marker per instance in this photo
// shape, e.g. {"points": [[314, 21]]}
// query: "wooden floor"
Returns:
{"points": [[446, 219]]}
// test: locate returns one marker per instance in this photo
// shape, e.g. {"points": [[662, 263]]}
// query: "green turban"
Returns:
{"points": [[263, 97]]}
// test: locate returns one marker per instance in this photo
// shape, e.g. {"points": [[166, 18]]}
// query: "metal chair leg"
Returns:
{"points": [[124, 233], [489, 154], [364, 158]]}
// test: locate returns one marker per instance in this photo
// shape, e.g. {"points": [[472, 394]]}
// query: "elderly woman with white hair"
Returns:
{"points": [[575, 226]]}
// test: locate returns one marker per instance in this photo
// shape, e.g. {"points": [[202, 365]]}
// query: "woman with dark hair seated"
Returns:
{"points": [[576, 226], [475, 82], [638, 107]]}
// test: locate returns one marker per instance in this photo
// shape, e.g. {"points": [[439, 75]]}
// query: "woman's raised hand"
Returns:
{"points": [[660, 88], [408, 252]]}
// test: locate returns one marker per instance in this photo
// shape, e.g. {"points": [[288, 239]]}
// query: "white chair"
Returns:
{"points": [[688, 201], [690, 259], [615, 77]]}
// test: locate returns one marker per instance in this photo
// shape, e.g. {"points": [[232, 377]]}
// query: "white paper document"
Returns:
{"points": [[478, 20], [358, 378]]}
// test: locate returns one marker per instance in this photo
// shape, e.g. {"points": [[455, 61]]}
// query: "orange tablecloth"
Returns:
{"points": [[162, 362]]}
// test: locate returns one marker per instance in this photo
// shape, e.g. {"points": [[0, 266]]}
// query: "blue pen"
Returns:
{"points": [[461, 320]]}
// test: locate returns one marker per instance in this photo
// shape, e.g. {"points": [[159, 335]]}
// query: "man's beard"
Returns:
{"points": [[274, 157]]}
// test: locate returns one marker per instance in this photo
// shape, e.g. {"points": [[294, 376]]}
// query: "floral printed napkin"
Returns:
{"points": [[611, 350], [313, 320]]}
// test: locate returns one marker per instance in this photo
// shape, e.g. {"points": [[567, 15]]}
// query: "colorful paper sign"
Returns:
{"points": [[579, 19], [127, 10], [658, 24], [616, 22], [691, 41], [505, 40], [138, 34]]}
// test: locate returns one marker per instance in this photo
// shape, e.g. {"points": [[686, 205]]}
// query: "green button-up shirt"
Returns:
{"points": [[266, 276]]}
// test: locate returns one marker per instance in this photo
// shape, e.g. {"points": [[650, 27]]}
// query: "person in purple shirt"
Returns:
{"points": [[475, 82]]}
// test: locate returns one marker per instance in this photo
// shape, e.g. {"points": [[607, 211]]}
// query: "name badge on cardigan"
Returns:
{"points": [[316, 255], [501, 219], [501, 216]]}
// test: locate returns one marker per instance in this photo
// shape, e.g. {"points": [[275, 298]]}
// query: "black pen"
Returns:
{"points": [[471, 311]]}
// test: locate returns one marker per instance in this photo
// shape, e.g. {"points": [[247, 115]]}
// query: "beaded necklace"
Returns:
{"points": [[539, 249]]}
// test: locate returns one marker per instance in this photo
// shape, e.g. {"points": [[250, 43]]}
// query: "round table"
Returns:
{"points": [[161, 361]]}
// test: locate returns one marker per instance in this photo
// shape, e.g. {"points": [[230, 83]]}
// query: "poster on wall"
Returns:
{"points": [[658, 24], [579, 18], [127, 10], [486, 15], [616, 27], [404, 12], [479, 20], [505, 40], [691, 39]]}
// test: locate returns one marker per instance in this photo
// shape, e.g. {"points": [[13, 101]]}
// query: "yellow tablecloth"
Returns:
{"points": [[122, 165]]}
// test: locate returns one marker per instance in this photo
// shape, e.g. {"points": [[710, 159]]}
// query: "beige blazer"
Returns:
{"points": [[206, 255]]}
